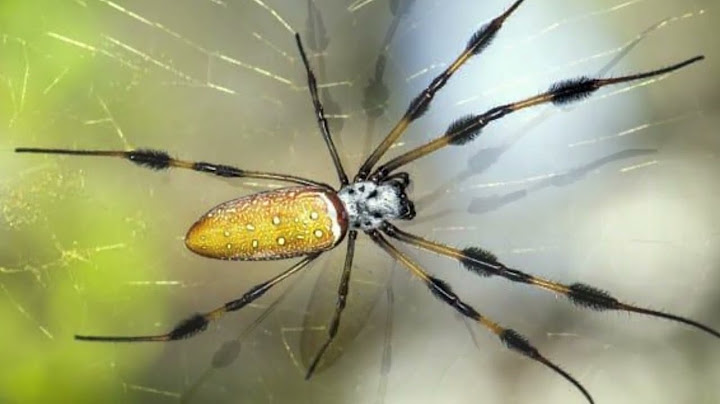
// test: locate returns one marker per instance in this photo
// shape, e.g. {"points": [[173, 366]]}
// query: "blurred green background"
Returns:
{"points": [[620, 192]]}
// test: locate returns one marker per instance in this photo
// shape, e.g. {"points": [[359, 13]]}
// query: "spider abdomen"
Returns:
{"points": [[270, 225]]}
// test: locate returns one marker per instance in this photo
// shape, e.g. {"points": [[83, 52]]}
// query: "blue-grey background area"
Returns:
{"points": [[619, 191]]}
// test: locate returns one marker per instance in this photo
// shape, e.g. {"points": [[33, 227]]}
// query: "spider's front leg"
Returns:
{"points": [[420, 104]]}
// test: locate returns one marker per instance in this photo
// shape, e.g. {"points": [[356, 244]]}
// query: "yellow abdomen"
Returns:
{"points": [[270, 225]]}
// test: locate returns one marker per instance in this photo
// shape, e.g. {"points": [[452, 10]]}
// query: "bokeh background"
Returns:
{"points": [[619, 191]]}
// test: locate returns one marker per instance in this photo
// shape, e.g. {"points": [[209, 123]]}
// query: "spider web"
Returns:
{"points": [[620, 192]]}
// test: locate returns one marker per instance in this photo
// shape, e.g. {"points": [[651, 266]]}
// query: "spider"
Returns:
{"points": [[310, 218]]}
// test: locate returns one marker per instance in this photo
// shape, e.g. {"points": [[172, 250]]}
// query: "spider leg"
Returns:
{"points": [[484, 263], [198, 323], [467, 128], [161, 160], [511, 338], [340, 305], [320, 115], [420, 104]]}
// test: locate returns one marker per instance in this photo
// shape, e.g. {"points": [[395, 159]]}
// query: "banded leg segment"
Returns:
{"points": [[161, 160], [343, 290], [466, 129], [484, 263], [198, 323], [320, 115], [510, 338], [420, 104]]}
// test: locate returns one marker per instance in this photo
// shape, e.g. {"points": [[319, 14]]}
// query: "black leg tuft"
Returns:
{"points": [[189, 327], [154, 159], [516, 342], [568, 91], [480, 261], [591, 297]]}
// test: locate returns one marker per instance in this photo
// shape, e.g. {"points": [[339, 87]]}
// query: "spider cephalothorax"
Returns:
{"points": [[369, 203]]}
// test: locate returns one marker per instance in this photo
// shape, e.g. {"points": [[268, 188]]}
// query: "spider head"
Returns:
{"points": [[370, 203]]}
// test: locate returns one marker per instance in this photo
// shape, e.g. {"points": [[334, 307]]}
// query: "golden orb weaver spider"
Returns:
{"points": [[311, 218]]}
